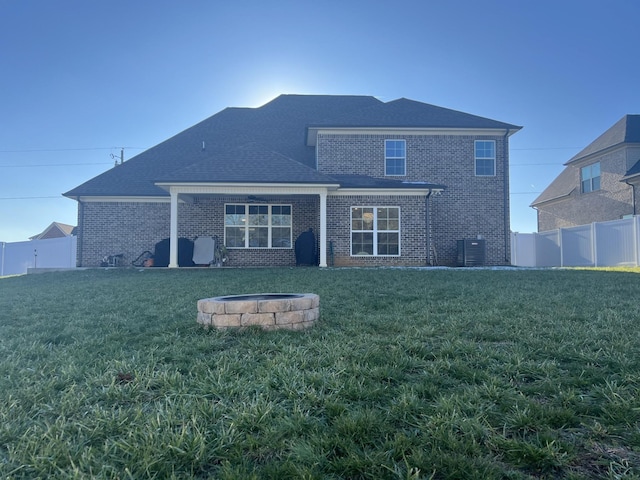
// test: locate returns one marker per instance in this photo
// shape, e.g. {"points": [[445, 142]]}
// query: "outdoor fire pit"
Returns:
{"points": [[270, 311]]}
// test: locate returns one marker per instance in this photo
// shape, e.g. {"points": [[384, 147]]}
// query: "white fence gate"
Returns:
{"points": [[601, 244], [17, 257]]}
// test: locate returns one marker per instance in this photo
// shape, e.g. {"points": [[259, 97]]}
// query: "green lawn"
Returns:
{"points": [[409, 374]]}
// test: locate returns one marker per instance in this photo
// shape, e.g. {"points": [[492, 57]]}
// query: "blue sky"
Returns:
{"points": [[82, 79]]}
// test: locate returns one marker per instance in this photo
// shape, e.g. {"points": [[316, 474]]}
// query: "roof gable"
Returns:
{"points": [[625, 130], [55, 230]]}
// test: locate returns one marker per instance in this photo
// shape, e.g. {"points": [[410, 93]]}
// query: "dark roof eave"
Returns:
{"points": [[312, 130], [165, 185], [387, 189], [577, 158], [509, 127], [78, 196], [536, 202], [634, 178]]}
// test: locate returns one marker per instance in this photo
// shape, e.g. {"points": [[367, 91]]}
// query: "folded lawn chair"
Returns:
{"points": [[203, 250]]}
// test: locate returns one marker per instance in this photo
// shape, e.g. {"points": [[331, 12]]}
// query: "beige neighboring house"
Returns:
{"points": [[598, 184], [55, 230]]}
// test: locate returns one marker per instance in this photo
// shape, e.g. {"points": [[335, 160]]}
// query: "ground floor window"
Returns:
{"points": [[375, 231], [257, 226]]}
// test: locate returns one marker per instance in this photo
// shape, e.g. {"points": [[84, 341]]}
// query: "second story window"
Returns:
{"points": [[395, 156], [590, 178], [485, 155]]}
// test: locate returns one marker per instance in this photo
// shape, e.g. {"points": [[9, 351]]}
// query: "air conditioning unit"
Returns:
{"points": [[471, 252]]}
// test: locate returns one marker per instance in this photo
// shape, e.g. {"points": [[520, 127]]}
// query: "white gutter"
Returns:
{"points": [[312, 132]]}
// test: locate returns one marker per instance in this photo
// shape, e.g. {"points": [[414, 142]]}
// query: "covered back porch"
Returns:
{"points": [[258, 223]]}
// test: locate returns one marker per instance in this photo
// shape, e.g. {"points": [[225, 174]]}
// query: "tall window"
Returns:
{"points": [[257, 226], [375, 231], [395, 156], [485, 155], [590, 178]]}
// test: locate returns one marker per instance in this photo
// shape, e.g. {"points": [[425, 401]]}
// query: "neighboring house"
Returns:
{"points": [[598, 184], [55, 230], [384, 184]]}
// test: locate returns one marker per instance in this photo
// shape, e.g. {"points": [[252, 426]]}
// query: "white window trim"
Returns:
{"points": [[591, 177], [476, 158], [395, 158], [269, 226], [375, 231]]}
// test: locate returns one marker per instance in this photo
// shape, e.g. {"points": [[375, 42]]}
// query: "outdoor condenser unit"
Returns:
{"points": [[471, 252]]}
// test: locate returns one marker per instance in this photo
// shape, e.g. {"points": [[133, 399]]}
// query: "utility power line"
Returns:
{"points": [[31, 150], [53, 165], [109, 163], [533, 164], [546, 148], [30, 198]]}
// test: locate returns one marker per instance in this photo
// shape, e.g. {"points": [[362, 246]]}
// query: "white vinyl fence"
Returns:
{"points": [[601, 244], [17, 257]]}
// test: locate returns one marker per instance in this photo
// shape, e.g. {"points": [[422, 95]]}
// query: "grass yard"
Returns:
{"points": [[410, 374]]}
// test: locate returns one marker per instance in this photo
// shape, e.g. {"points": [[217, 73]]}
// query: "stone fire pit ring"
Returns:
{"points": [[269, 311]]}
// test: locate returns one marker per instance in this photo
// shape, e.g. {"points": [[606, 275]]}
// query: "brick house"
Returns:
{"points": [[55, 230], [380, 184], [598, 184]]}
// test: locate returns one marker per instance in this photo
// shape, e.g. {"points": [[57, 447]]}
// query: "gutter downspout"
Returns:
{"points": [[505, 175], [633, 195], [427, 227]]}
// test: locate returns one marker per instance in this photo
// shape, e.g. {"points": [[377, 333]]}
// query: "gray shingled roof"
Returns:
{"points": [[250, 163], [625, 130], [563, 185], [411, 114], [363, 181], [279, 127], [633, 171]]}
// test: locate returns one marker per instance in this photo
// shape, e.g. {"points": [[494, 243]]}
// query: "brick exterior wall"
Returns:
{"points": [[109, 228], [413, 240], [112, 228], [611, 202], [470, 206]]}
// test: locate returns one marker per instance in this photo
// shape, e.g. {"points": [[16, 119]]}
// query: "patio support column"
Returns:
{"points": [[173, 232], [323, 229]]}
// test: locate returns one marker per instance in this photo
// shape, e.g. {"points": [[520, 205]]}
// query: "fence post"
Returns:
{"points": [[594, 243], [514, 248], [636, 238]]}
